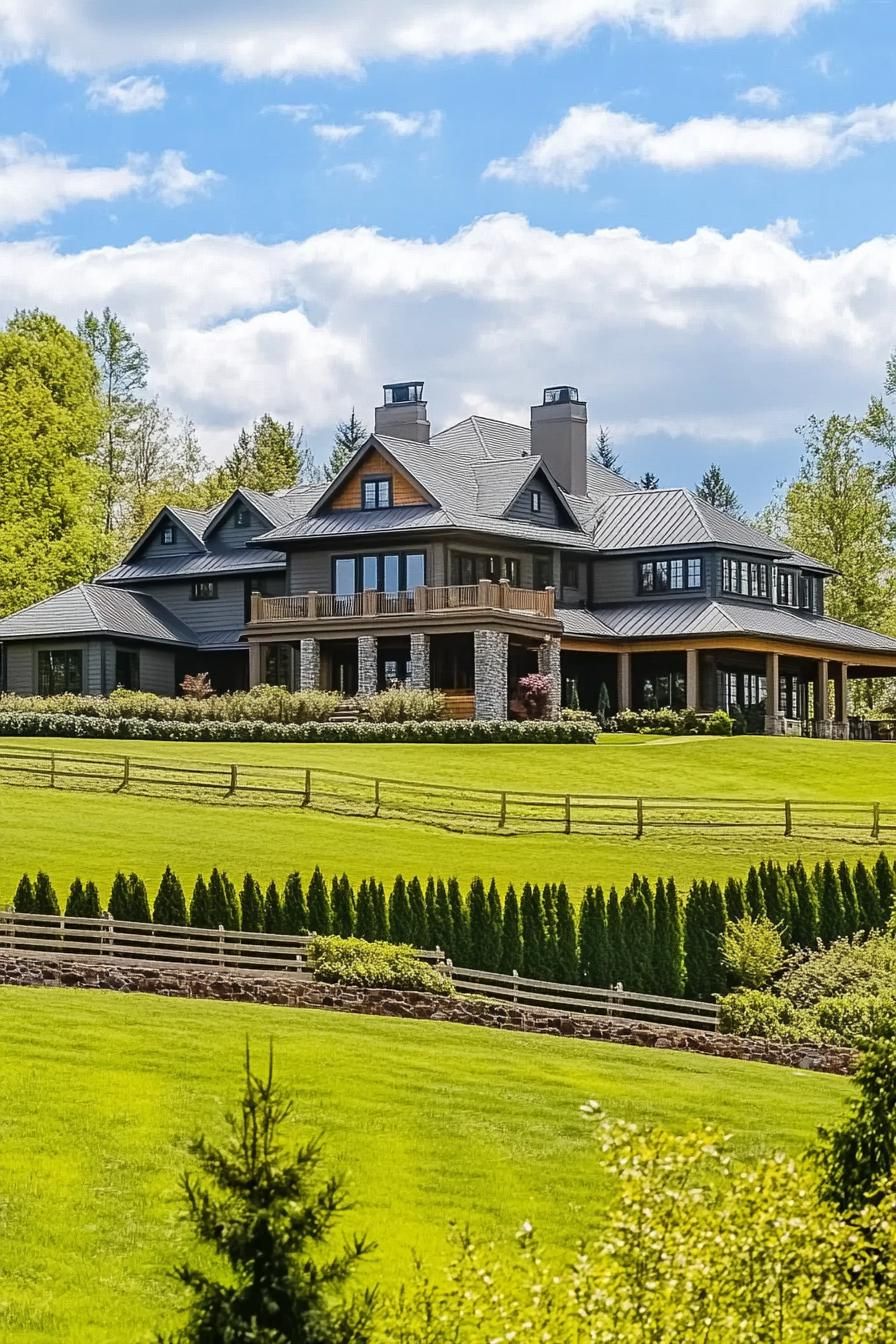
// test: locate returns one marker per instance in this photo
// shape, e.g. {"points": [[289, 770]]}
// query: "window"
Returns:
{"points": [[754, 580], [468, 569], [344, 577], [370, 572], [127, 669], [60, 670], [376, 492], [512, 571], [570, 574], [664, 576], [535, 501], [242, 518], [786, 588], [169, 535], [542, 571], [747, 578], [391, 573], [415, 571], [278, 665], [809, 592], [645, 576], [205, 590], [763, 580], [695, 572], [744, 579], [676, 574]]}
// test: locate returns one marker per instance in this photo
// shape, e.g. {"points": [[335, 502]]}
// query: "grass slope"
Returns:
{"points": [[93, 835], [430, 1121]]}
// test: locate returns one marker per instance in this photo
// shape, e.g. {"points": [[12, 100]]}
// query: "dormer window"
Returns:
{"points": [[169, 534], [535, 501], [376, 492], [241, 517]]}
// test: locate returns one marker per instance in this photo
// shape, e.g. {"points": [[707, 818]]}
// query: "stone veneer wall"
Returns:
{"points": [[368, 674], [420, 669], [309, 664], [549, 666], [287, 991], [490, 669]]}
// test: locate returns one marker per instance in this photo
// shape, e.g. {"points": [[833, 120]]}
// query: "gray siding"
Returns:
{"points": [[615, 580], [21, 665], [719, 592], [224, 612], [550, 515], [227, 535], [312, 571], [157, 671], [185, 544], [20, 669]]}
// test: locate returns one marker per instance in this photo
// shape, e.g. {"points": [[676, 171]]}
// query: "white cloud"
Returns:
{"points": [[134, 93], [592, 135], [427, 124], [724, 338], [295, 111], [762, 95], [35, 183], [362, 172], [341, 36], [335, 135]]}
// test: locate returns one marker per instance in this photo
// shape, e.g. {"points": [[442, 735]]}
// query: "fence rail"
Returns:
{"points": [[315, 606], [448, 806]]}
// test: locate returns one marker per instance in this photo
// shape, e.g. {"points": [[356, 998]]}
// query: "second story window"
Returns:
{"points": [[786, 588], [670, 576], [242, 518], [376, 492], [747, 578], [809, 592], [569, 575], [542, 571], [535, 501], [169, 534], [205, 590]]}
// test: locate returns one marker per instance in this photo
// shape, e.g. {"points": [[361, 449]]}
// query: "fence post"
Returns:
{"points": [[233, 781], [875, 824], [125, 775], [516, 976], [52, 769], [376, 797], [640, 811], [306, 801], [568, 815], [110, 930], [502, 820], [221, 945], [788, 817]]}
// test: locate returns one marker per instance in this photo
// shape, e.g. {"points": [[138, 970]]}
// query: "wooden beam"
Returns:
{"points": [[736, 643]]}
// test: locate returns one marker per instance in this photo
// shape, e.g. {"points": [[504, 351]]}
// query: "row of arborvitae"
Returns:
{"points": [[647, 938]]}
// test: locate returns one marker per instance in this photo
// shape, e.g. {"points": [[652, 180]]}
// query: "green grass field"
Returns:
{"points": [[94, 835], [430, 1121]]}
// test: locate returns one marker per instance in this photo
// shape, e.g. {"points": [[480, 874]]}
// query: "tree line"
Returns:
{"points": [[646, 938]]}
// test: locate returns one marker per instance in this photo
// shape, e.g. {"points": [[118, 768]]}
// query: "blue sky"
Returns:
{"points": [[492, 199]]}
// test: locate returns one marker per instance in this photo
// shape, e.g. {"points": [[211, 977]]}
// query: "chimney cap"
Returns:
{"points": [[554, 396], [402, 393]]}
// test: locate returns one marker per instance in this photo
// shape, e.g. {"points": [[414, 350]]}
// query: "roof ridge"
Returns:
{"points": [[83, 588], [474, 421], [714, 602]]}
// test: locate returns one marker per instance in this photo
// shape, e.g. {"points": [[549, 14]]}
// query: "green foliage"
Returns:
{"points": [[865, 966], [831, 919], [273, 910], [480, 940], [170, 906], [640, 936], [343, 902], [365, 921], [267, 1213], [45, 902], [460, 925], [616, 951], [717, 491], [23, 901], [752, 951], [320, 916], [200, 906], [567, 939], [534, 933], [495, 942], [120, 897], [400, 926], [350, 436], [511, 934], [857, 1157], [352, 961], [221, 910], [753, 1012], [734, 899], [268, 457], [251, 908], [668, 940], [868, 902], [83, 901], [886, 884], [719, 724], [419, 926], [851, 918], [403, 704], [754, 896], [804, 923], [380, 911], [295, 916], [704, 928]]}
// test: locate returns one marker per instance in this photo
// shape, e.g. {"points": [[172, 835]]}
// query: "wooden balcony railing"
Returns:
{"points": [[537, 602]]}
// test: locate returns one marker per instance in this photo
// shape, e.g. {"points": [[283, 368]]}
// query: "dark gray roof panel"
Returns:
{"points": [[655, 519], [221, 640], [787, 623], [250, 559], [88, 610]]}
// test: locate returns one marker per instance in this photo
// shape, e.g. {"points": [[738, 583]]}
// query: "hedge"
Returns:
{"points": [[540, 732], [352, 961], [649, 938]]}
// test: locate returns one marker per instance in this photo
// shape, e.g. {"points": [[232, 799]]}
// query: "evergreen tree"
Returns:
{"points": [[460, 925], [511, 934], [734, 900], [716, 491], [420, 935], [567, 939], [120, 897], [668, 953], [342, 902], [603, 453], [754, 896], [867, 898], [851, 917], [703, 929], [805, 928], [594, 964], [264, 1209], [432, 920], [548, 906], [320, 915], [350, 435], [295, 917], [380, 911], [45, 902], [495, 928], [400, 927], [273, 913], [251, 909], [886, 885], [477, 906], [441, 925], [775, 896], [649, 481], [365, 920], [231, 903], [533, 930], [831, 923], [200, 907], [92, 907], [74, 905], [271, 456], [170, 906], [218, 904], [23, 901], [616, 955], [628, 946]]}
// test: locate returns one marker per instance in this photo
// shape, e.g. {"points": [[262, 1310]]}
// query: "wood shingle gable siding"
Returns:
{"points": [[404, 492]]}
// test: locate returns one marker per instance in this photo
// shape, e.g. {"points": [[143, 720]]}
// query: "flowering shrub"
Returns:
{"points": [[352, 961], [402, 704], [197, 686], [531, 696]]}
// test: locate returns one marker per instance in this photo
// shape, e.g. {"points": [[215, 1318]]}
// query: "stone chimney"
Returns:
{"points": [[403, 413], [560, 436]]}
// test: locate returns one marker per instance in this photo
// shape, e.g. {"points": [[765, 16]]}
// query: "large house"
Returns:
{"points": [[462, 560]]}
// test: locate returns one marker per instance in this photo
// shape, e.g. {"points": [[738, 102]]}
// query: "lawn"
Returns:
{"points": [[430, 1122], [94, 835]]}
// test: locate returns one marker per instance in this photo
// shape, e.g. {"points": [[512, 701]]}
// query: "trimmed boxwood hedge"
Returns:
{"points": [[214, 730]]}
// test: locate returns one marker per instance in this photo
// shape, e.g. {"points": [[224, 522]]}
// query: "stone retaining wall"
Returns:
{"points": [[289, 992]]}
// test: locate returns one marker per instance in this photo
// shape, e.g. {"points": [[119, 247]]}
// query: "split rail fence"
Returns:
{"points": [[170, 946], [448, 806]]}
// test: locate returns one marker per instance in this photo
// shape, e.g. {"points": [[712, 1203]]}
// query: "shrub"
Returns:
{"points": [[320, 915], [273, 914], [294, 917], [719, 724], [751, 1012], [403, 704], [197, 686], [200, 907], [170, 906], [857, 1159], [23, 901], [120, 897], [531, 696], [251, 909], [352, 961], [861, 966], [511, 934], [752, 951]]}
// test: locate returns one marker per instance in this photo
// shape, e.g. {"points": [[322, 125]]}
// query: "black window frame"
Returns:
{"points": [[545, 564], [567, 567], [689, 561], [787, 589], [380, 557], [744, 578], [242, 516], [197, 593], [132, 681], [168, 535], [377, 482], [659, 575], [70, 659], [535, 501], [468, 567]]}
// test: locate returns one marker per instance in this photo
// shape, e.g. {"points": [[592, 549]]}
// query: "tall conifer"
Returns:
{"points": [[668, 954], [477, 906], [460, 924], [251, 912], [23, 901], [754, 896], [885, 878], [45, 902], [831, 924], [294, 917], [703, 930], [219, 906], [420, 934], [170, 905], [120, 898], [400, 913], [615, 949], [495, 927], [594, 963], [851, 918], [365, 920], [200, 910], [511, 934], [867, 898], [320, 915], [532, 922], [567, 938], [273, 911], [734, 900], [380, 911], [441, 928]]}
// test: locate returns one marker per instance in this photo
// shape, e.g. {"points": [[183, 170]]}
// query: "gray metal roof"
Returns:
{"points": [[221, 640], [657, 519], [89, 610], [238, 560]]}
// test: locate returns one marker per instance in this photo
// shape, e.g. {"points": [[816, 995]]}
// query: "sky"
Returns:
{"points": [[685, 208]]}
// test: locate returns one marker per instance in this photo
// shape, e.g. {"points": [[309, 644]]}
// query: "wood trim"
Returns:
{"points": [[404, 491], [746, 643]]}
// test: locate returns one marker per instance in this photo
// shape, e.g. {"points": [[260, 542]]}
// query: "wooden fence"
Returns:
{"points": [[170, 946], [449, 806]]}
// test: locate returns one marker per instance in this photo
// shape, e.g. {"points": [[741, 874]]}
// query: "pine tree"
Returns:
{"points": [[851, 918], [200, 907], [495, 927], [641, 946], [615, 946], [734, 900], [218, 904], [350, 435], [441, 925], [420, 935], [511, 934], [92, 908], [365, 922], [273, 913], [170, 906], [775, 897], [460, 925], [594, 964], [477, 906], [231, 903], [320, 915], [23, 901], [805, 927], [831, 923], [45, 902], [703, 929], [120, 897], [886, 885], [716, 491], [628, 946], [74, 905], [533, 930], [603, 453], [380, 911], [649, 481], [668, 953], [251, 911], [295, 918], [549, 970], [868, 898], [429, 906], [754, 896], [400, 927], [342, 901], [567, 939]]}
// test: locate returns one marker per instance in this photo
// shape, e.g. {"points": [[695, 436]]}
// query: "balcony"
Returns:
{"points": [[499, 601]]}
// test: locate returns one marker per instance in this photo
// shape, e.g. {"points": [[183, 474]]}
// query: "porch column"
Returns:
{"points": [[255, 663], [549, 666], [420, 675], [367, 665], [774, 724], [841, 699], [822, 711], [490, 673], [624, 680], [692, 679], [309, 665]]}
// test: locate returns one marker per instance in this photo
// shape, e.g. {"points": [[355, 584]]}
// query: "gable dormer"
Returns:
{"points": [[371, 480], [238, 522], [172, 532], [541, 504]]}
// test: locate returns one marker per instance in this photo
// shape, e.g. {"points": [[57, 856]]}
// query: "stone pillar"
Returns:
{"points": [[368, 672], [774, 724], [692, 679], [624, 681], [490, 671], [822, 709], [256, 663], [309, 665], [549, 666], [420, 674]]}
